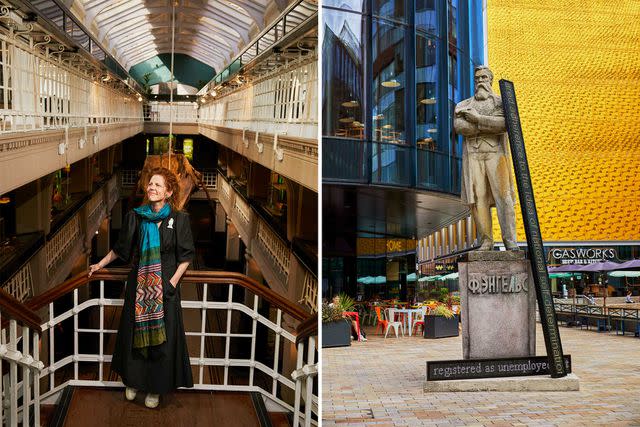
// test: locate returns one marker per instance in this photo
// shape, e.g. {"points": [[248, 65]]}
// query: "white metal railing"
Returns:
{"points": [[275, 247], [21, 351], [20, 121], [129, 178], [283, 101], [183, 112], [210, 178], [299, 380], [57, 247], [20, 286], [96, 207], [39, 90], [243, 209], [226, 188], [303, 376], [113, 190], [310, 292]]}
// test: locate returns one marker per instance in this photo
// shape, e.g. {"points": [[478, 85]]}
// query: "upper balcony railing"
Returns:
{"points": [[284, 102], [46, 90], [19, 121], [178, 112], [290, 387]]}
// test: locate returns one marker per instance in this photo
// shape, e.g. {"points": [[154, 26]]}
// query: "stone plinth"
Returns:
{"points": [[539, 383], [497, 297]]}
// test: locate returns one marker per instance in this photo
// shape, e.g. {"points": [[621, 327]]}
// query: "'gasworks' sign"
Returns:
{"points": [[581, 255]]}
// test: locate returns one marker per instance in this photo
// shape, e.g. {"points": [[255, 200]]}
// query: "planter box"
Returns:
{"points": [[336, 334], [440, 327]]}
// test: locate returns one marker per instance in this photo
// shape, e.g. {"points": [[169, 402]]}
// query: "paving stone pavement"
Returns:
{"points": [[380, 383]]}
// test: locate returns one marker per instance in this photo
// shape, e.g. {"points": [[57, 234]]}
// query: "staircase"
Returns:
{"points": [[91, 396], [82, 406]]}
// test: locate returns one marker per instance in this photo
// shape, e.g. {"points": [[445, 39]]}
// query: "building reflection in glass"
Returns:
{"points": [[342, 81]]}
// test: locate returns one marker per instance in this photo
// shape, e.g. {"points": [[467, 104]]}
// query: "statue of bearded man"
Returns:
{"points": [[486, 171]]}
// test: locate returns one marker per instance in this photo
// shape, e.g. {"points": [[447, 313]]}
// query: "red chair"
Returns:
{"points": [[381, 321], [420, 322]]}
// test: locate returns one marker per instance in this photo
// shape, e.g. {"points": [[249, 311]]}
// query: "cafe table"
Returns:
{"points": [[409, 316]]}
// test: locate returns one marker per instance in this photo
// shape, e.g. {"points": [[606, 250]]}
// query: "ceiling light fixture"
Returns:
{"points": [[391, 83], [351, 104], [428, 101]]}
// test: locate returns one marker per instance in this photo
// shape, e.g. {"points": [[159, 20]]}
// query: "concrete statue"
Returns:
{"points": [[486, 171]]}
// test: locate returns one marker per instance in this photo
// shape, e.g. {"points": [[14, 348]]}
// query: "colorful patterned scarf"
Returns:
{"points": [[149, 322]]}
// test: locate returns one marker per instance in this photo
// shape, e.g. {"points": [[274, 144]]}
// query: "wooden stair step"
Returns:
{"points": [[97, 406]]}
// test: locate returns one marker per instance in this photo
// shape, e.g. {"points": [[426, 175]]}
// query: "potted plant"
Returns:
{"points": [[440, 322], [336, 327]]}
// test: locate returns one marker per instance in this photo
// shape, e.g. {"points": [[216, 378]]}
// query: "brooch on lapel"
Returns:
{"points": [[170, 223]]}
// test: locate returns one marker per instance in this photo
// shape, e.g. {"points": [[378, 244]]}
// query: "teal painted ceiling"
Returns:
{"points": [[187, 70]]}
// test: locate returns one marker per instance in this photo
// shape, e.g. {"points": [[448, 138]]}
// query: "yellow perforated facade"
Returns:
{"points": [[576, 70]]}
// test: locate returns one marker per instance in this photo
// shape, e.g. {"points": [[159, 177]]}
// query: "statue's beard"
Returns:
{"points": [[483, 91]]}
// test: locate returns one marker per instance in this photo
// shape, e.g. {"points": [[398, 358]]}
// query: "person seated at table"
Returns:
{"points": [[628, 298], [354, 326]]}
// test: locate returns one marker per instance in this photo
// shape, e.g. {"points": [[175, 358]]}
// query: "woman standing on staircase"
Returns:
{"points": [[151, 350]]}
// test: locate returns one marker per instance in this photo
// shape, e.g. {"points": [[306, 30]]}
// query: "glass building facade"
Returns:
{"points": [[392, 72]]}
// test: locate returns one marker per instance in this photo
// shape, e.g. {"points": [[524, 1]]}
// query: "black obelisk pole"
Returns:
{"points": [[532, 230]]}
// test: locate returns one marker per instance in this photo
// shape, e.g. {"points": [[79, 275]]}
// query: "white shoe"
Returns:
{"points": [[130, 393], [152, 400]]}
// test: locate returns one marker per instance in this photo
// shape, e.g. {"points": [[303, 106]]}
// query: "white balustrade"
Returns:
{"points": [[20, 286], [282, 101], [310, 292], [178, 112], [57, 247], [21, 352], [113, 191], [275, 247], [41, 92], [96, 207], [241, 207], [226, 188]]}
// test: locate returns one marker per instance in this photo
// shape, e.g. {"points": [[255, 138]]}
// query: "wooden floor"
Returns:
{"points": [[108, 407]]}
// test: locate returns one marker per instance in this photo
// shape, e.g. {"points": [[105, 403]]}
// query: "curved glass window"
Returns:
{"points": [[388, 83], [408, 62], [426, 95], [342, 75]]}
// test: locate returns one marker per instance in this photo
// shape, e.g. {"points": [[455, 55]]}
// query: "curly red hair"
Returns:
{"points": [[170, 181]]}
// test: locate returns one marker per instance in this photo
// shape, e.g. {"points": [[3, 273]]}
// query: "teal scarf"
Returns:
{"points": [[149, 321]]}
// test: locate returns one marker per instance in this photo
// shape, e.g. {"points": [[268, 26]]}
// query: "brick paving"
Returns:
{"points": [[380, 383]]}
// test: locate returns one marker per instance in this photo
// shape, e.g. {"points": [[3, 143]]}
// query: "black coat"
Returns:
{"points": [[167, 366]]}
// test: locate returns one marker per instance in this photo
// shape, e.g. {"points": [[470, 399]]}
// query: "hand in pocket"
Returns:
{"points": [[170, 289]]}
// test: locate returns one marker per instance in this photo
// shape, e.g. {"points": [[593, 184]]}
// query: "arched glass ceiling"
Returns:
{"points": [[211, 31]]}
